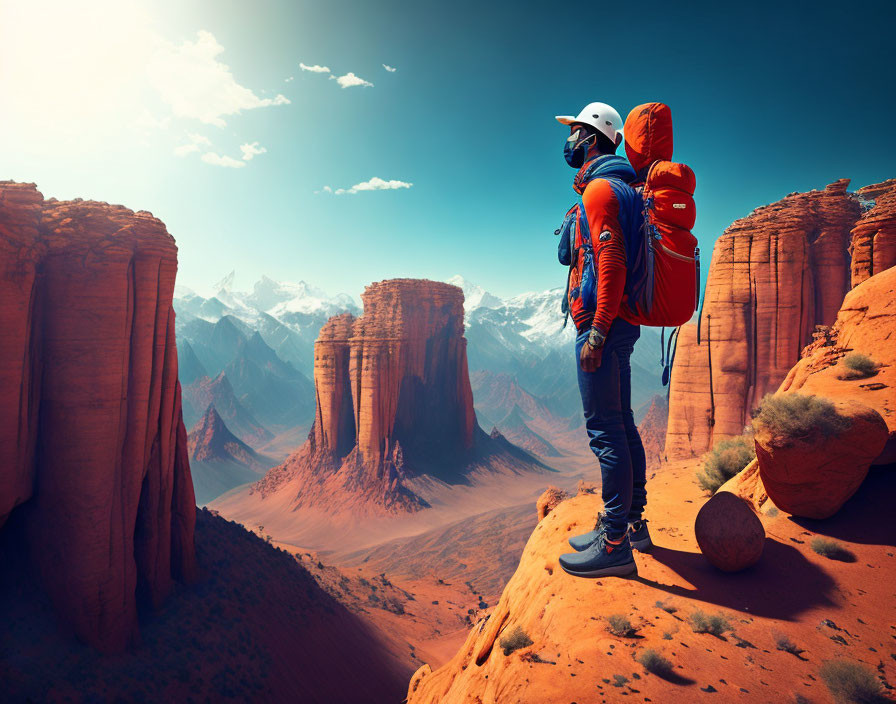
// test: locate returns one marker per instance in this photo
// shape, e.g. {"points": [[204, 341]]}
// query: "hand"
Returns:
{"points": [[590, 357]]}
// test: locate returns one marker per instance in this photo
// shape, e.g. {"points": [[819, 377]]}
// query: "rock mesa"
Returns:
{"points": [[95, 481], [393, 401]]}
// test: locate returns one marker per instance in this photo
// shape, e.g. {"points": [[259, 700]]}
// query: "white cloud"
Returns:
{"points": [[390, 69], [316, 68], [374, 184], [290, 79], [185, 149], [192, 145], [350, 80], [191, 80], [226, 161], [251, 150]]}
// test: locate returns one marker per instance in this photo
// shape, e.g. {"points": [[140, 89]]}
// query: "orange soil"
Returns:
{"points": [[828, 609]]}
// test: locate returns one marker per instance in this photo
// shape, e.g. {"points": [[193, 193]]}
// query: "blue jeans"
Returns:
{"points": [[612, 433]]}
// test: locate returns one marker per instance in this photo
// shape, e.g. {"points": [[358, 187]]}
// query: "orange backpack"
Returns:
{"points": [[668, 290]]}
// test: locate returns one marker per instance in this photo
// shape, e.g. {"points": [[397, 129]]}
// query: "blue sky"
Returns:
{"points": [[149, 103]]}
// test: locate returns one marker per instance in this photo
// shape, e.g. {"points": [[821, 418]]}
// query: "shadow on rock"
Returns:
{"points": [[863, 519], [783, 585]]}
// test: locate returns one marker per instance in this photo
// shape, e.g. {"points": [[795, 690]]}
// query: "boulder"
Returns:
{"points": [[728, 529], [813, 476]]}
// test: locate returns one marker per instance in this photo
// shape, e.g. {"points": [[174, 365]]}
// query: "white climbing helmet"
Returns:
{"points": [[601, 117]]}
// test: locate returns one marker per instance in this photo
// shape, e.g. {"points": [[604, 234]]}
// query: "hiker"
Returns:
{"points": [[604, 340]]}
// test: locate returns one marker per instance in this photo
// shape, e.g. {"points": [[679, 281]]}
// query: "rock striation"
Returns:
{"points": [[866, 324], [94, 476], [873, 245], [652, 429], [775, 275], [393, 402]]}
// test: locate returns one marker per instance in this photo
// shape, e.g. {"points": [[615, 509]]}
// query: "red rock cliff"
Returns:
{"points": [[93, 452], [393, 398], [873, 246], [408, 369], [774, 276]]}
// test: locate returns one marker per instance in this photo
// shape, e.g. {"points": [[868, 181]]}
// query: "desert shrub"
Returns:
{"points": [[653, 662], [516, 639], [668, 608], [667, 635], [832, 550], [619, 680], [784, 418], [782, 642], [858, 366], [715, 624], [726, 459], [619, 625], [852, 682]]}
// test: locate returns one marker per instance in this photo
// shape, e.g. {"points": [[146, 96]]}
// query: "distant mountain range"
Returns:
{"points": [[251, 355]]}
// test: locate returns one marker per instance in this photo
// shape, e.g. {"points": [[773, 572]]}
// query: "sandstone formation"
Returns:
{"points": [[408, 370], [774, 276], [94, 476], [873, 247], [575, 655], [652, 429], [866, 324], [393, 404], [813, 476]]}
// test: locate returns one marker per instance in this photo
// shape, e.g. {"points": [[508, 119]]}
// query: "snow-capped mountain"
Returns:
{"points": [[524, 336], [474, 296], [286, 315]]}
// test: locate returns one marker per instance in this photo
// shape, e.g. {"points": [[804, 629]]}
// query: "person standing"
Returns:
{"points": [[593, 245]]}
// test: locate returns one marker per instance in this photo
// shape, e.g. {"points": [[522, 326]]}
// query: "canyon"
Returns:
{"points": [[111, 583], [395, 432], [401, 535]]}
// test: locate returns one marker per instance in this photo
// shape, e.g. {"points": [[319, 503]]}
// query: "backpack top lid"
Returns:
{"points": [[648, 135]]}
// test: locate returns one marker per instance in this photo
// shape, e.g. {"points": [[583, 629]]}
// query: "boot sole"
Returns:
{"points": [[629, 570], [642, 545]]}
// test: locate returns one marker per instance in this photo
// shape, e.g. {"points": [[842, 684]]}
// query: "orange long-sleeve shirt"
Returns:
{"points": [[602, 212]]}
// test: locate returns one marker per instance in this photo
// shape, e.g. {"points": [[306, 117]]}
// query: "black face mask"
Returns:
{"points": [[576, 148]]}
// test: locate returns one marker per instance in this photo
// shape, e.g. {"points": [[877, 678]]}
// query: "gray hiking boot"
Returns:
{"points": [[586, 540], [601, 559], [640, 536]]}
